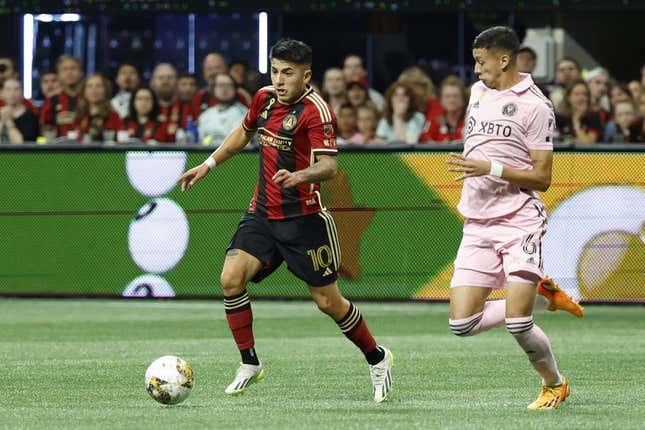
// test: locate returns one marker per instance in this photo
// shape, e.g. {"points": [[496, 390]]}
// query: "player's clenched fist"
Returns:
{"points": [[191, 177], [286, 178]]}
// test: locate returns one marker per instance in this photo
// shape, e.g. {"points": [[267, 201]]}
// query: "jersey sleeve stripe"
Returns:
{"points": [[318, 107], [324, 105], [325, 116], [249, 130]]}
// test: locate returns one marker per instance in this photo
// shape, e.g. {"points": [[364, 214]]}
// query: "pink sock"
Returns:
{"points": [[492, 316], [537, 346]]}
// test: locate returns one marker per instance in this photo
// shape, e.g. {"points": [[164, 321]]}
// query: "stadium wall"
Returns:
{"points": [[96, 222]]}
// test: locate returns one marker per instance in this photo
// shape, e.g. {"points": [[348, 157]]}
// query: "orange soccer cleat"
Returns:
{"points": [[551, 397], [558, 299]]}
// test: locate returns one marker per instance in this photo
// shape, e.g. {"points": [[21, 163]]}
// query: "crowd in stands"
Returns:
{"points": [[590, 107]]}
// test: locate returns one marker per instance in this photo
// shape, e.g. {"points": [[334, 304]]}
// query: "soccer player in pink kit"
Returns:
{"points": [[507, 157]]}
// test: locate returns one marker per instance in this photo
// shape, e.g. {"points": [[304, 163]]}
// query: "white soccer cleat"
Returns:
{"points": [[381, 374], [246, 375]]}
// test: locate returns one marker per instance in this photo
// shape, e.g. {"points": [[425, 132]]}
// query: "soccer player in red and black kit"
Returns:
{"points": [[286, 220]]}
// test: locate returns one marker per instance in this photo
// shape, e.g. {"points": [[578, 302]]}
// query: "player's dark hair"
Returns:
{"points": [[498, 39], [529, 51], [292, 51]]}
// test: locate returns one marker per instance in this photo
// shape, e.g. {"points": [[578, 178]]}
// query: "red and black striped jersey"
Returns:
{"points": [[150, 131], [58, 113], [290, 137]]}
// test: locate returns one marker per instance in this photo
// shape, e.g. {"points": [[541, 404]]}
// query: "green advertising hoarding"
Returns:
{"points": [[113, 223]]}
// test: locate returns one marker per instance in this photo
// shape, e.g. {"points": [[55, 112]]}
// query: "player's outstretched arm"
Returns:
{"points": [[325, 167], [232, 144], [538, 178]]}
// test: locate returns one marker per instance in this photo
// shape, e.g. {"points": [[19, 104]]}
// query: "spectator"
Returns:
{"points": [[186, 87], [357, 94], [526, 62], [95, 120], [8, 70], [635, 90], [449, 126], [49, 86], [214, 63], [566, 73], [58, 112], [574, 118], [424, 91], [346, 122], [127, 80], [186, 90], [641, 105], [598, 80], [354, 71], [367, 121], [17, 123], [164, 85], [334, 88], [401, 121], [618, 93], [217, 122], [624, 128], [239, 70], [141, 122]]}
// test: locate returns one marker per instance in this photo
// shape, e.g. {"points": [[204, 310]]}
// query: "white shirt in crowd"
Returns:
{"points": [[121, 103], [217, 122]]}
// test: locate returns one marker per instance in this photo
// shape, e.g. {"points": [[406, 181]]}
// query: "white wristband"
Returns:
{"points": [[210, 162], [496, 169]]}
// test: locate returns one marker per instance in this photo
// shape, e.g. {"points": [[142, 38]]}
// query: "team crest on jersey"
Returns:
{"points": [[289, 122], [509, 109], [328, 130]]}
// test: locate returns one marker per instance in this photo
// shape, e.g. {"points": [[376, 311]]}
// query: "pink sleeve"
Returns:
{"points": [[539, 134]]}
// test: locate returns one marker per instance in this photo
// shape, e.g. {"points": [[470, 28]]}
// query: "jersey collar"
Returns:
{"points": [[522, 85]]}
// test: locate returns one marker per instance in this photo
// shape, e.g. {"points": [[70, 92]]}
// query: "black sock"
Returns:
{"points": [[249, 356], [375, 356]]}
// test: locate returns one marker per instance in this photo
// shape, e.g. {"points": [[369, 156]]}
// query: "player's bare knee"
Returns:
{"points": [[325, 304], [232, 283]]}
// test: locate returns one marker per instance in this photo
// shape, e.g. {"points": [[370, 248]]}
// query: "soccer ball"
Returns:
{"points": [[169, 380]]}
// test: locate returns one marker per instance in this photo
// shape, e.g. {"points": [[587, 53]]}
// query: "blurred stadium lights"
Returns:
{"points": [[263, 42], [65, 17]]}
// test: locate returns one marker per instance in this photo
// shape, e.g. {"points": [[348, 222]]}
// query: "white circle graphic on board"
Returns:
{"points": [[154, 174], [149, 286], [584, 218], [158, 236]]}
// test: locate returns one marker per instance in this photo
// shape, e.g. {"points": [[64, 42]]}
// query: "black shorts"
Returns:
{"points": [[309, 245]]}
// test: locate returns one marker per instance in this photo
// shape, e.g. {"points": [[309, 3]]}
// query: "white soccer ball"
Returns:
{"points": [[169, 380]]}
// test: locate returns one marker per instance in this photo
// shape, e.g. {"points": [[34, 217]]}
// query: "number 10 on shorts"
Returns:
{"points": [[321, 257]]}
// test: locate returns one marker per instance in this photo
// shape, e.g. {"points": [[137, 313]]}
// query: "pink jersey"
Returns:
{"points": [[502, 127]]}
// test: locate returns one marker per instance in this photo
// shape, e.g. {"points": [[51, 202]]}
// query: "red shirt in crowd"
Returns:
{"points": [[58, 113], [440, 131], [26, 103], [95, 125], [151, 130]]}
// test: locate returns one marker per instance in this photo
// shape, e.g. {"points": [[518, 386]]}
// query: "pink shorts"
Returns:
{"points": [[509, 248]]}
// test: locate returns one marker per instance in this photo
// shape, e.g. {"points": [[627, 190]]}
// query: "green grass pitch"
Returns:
{"points": [[79, 364]]}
